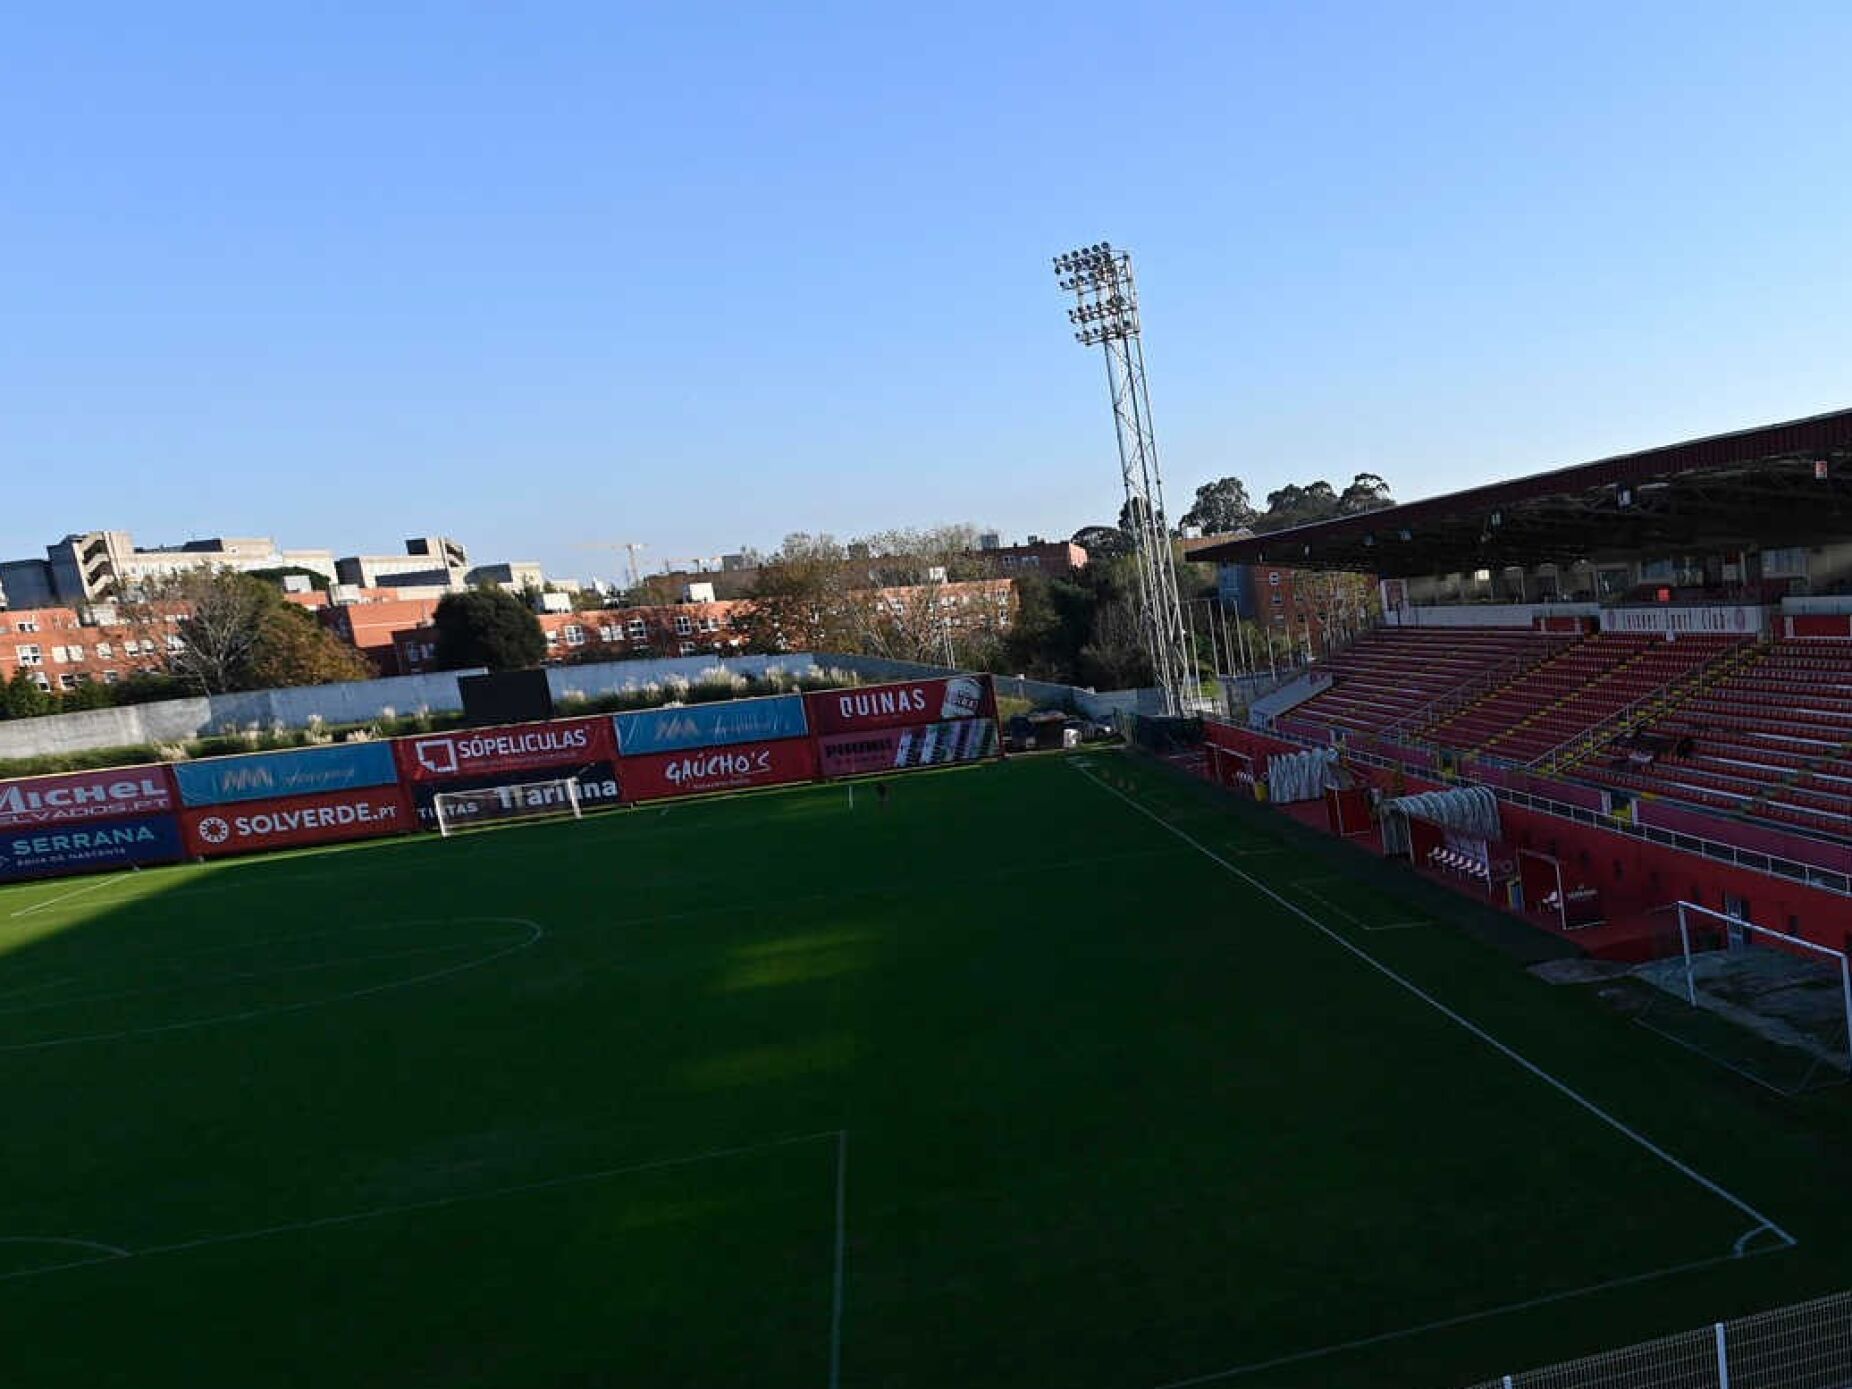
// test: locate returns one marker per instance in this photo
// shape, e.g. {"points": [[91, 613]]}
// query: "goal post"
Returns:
{"points": [[1768, 1004], [1738, 933], [523, 800]]}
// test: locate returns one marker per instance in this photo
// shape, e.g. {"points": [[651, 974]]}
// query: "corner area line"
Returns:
{"points": [[842, 1232], [1761, 1222], [67, 896]]}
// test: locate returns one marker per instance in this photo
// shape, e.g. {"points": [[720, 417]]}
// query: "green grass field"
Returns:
{"points": [[1006, 1083]]}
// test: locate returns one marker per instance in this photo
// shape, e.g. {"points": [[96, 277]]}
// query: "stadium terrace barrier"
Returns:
{"points": [[1626, 858], [79, 822], [1806, 1346]]}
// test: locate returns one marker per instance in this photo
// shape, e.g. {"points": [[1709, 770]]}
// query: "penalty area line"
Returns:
{"points": [[1759, 1221]]}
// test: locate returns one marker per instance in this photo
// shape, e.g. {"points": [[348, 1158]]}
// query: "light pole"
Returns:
{"points": [[1105, 315]]}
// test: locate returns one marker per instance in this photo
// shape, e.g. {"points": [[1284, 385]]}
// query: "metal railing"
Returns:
{"points": [[1773, 865], [1579, 745], [1806, 1346]]}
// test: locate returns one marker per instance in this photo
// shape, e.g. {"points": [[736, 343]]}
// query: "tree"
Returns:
{"points": [[294, 649], [800, 599], [1103, 542], [222, 630], [1131, 514], [218, 615], [318, 581], [21, 697], [1221, 506], [1293, 505], [487, 627], [1367, 492]]}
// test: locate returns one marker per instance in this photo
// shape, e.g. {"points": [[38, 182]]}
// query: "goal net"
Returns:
{"points": [[487, 805], [1768, 1005]]}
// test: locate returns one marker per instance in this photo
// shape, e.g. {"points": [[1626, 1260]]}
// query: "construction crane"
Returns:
{"points": [[630, 547]]}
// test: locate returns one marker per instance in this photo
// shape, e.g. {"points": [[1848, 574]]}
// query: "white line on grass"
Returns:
{"points": [[842, 1238], [536, 932], [111, 1250], [1351, 917], [66, 896], [241, 977], [379, 1212], [1563, 1088], [1529, 1304]]}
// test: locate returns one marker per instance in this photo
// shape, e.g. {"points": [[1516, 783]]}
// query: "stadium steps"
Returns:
{"points": [[1772, 740]]}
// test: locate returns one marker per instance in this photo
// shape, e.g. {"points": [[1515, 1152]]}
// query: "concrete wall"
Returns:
{"points": [[1101, 705], [178, 720], [1262, 711], [609, 677], [1487, 614]]}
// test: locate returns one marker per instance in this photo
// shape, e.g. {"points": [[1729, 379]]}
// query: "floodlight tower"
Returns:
{"points": [[1105, 315]]}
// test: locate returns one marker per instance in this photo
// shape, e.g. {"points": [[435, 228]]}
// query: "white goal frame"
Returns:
{"points": [[1687, 911], [573, 805]]}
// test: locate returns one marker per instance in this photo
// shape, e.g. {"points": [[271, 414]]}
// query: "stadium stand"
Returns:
{"points": [[1773, 738], [1582, 689], [1395, 675]]}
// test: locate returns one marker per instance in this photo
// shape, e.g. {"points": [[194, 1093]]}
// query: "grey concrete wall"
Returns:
{"points": [[170, 721], [1262, 711], [177, 720], [609, 677]]}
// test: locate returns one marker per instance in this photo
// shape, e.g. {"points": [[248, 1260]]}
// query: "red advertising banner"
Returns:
{"points": [[905, 704], [495, 752], [901, 749], [731, 768], [253, 826], [76, 797]]}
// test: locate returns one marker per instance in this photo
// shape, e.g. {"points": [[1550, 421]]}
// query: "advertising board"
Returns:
{"points": [[511, 751], [900, 705], [77, 797], [730, 768], [711, 725], [901, 749], [599, 788], [1735, 620], [267, 776], [44, 851], [254, 826]]}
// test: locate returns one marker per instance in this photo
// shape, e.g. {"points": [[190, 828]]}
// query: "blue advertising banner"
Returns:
{"points": [[46, 851], [263, 776], [711, 725]]}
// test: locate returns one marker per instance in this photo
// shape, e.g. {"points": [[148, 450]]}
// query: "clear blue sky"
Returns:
{"points": [[700, 275]]}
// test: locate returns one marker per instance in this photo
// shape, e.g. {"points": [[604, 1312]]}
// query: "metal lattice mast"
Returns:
{"points": [[1105, 315]]}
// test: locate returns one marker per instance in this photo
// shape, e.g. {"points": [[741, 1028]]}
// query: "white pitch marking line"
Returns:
{"points": [[67, 896], [538, 931], [112, 1250], [1562, 1087], [1360, 924], [378, 1212], [839, 1284], [1445, 1323]]}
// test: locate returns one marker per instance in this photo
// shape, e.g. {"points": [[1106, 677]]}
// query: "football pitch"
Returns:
{"points": [[1061, 1072]]}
